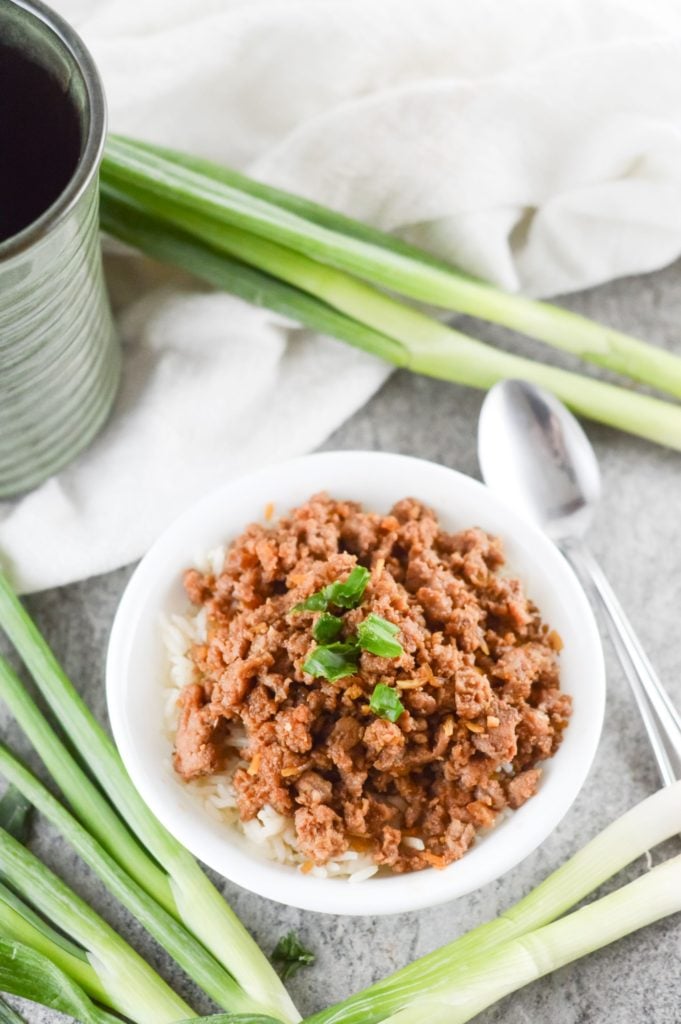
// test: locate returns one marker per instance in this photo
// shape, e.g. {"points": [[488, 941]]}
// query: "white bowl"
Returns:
{"points": [[136, 668]]}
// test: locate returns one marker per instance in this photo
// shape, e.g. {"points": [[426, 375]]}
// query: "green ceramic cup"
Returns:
{"points": [[59, 355]]}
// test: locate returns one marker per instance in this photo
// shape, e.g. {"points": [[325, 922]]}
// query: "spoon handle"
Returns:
{"points": [[660, 717]]}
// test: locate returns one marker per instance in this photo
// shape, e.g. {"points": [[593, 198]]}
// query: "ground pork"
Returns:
{"points": [[478, 679], [199, 741]]}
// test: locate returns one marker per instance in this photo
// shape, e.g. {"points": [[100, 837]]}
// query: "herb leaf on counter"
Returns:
{"points": [[290, 955]]}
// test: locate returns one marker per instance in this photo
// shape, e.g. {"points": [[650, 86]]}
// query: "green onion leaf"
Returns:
{"points": [[645, 826], [185, 890], [188, 952], [290, 955], [385, 702], [185, 193], [8, 1015], [316, 602], [168, 224], [333, 661], [232, 1018], [15, 814], [350, 593], [377, 636], [131, 985], [26, 973], [326, 628], [346, 594], [19, 923]]}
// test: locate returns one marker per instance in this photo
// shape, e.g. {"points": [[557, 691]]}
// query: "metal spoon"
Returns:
{"points": [[534, 453]]}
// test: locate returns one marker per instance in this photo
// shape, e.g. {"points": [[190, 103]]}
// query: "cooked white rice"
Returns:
{"points": [[272, 834]]}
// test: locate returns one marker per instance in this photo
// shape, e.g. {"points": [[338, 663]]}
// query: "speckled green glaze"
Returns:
{"points": [[59, 355]]}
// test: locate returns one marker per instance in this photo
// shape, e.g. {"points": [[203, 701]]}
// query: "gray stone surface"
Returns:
{"points": [[637, 539]]}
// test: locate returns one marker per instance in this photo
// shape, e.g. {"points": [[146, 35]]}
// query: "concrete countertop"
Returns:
{"points": [[637, 537]]}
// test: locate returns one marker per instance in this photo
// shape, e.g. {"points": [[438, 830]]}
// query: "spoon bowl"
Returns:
{"points": [[534, 453]]}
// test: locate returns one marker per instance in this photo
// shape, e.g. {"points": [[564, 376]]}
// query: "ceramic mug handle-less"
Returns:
{"points": [[59, 356], [660, 718]]}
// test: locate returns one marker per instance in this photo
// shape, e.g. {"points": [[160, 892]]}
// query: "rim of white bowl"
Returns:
{"points": [[232, 856]]}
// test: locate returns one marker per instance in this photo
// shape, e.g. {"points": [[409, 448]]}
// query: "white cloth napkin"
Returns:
{"points": [[537, 144]]}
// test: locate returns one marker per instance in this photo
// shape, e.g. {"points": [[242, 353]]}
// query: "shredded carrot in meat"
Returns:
{"points": [[437, 862], [360, 844], [288, 772], [379, 567], [254, 766], [354, 691]]}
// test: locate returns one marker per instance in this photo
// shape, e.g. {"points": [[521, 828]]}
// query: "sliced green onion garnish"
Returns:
{"points": [[385, 702], [316, 602], [343, 594], [326, 628], [349, 594], [377, 636], [332, 661]]}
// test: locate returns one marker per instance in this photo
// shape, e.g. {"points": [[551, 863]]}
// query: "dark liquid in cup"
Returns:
{"points": [[40, 141]]}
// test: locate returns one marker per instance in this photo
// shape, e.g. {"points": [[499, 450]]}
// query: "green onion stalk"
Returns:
{"points": [[8, 1015], [503, 970], [107, 842], [195, 901], [172, 936], [130, 984], [30, 974], [640, 829], [21, 924], [183, 183], [332, 301]]}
